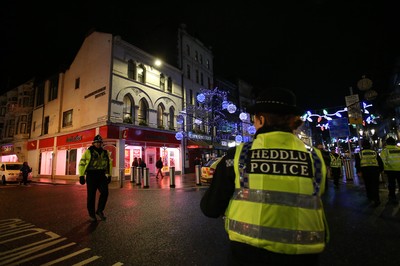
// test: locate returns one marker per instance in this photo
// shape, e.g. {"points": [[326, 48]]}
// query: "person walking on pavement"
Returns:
{"points": [[135, 162], [335, 165], [391, 160], [96, 165], [142, 165], [159, 166], [269, 190], [369, 166], [25, 170]]}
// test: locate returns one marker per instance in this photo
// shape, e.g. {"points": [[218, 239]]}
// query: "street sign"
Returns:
{"points": [[354, 109]]}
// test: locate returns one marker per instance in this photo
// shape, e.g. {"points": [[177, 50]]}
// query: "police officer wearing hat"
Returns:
{"points": [[335, 166], [96, 165], [269, 190], [369, 166]]}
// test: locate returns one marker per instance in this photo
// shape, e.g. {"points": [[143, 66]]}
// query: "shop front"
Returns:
{"points": [[59, 156]]}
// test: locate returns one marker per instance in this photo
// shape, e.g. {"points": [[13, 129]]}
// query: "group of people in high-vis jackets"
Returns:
{"points": [[269, 190]]}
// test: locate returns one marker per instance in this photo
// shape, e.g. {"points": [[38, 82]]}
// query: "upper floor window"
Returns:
{"points": [[53, 89], [131, 69], [191, 96], [128, 111], [171, 118], [160, 116], [143, 112], [208, 64], [169, 84], [46, 125], [67, 118], [162, 82], [141, 73], [188, 49], [77, 83], [201, 79], [22, 124], [188, 71], [196, 56], [39, 95], [10, 128], [197, 76], [201, 59]]}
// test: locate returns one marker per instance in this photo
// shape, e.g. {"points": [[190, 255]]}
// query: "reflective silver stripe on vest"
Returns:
{"points": [[277, 197], [276, 234]]}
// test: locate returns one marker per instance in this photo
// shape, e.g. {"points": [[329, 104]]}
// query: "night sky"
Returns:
{"points": [[318, 48]]}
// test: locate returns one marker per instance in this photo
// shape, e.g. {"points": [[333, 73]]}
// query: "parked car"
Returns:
{"points": [[10, 172], [207, 170]]}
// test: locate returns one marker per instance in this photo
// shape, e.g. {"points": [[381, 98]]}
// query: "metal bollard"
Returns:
{"points": [[146, 177], [138, 176], [133, 173], [348, 167], [172, 176], [197, 169], [121, 178]]}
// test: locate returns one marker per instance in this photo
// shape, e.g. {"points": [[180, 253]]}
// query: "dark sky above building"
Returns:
{"points": [[317, 48]]}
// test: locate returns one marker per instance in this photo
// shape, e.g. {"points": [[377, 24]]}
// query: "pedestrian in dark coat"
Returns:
{"points": [[25, 170], [159, 166]]}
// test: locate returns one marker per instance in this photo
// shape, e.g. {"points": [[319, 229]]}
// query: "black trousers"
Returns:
{"points": [[371, 182], [25, 179], [159, 172], [393, 177], [335, 174], [96, 181]]}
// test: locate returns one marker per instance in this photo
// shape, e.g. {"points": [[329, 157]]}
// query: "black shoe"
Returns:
{"points": [[101, 215], [92, 218]]}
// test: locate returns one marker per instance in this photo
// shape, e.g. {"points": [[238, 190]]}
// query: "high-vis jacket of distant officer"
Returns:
{"points": [[93, 160], [336, 160], [368, 158], [391, 158], [277, 204]]}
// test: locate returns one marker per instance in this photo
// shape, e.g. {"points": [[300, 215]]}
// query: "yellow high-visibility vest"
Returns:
{"points": [[279, 208]]}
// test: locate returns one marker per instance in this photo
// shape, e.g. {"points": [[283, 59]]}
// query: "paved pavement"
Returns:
{"points": [[179, 181]]}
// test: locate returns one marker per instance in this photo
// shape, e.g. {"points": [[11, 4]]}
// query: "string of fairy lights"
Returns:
{"points": [[321, 119]]}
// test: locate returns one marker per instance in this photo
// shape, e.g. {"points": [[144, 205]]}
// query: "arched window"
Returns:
{"points": [[128, 111], [131, 70], [143, 112], [171, 118], [160, 115], [169, 85], [162, 82], [142, 73]]}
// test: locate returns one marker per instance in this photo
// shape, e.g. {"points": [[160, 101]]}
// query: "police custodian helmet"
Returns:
{"points": [[98, 138]]}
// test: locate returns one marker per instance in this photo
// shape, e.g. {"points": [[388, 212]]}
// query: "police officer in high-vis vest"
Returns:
{"points": [[391, 159], [335, 166], [269, 190], [97, 166], [369, 167]]}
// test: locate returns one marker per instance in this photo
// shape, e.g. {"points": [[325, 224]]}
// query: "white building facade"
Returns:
{"points": [[114, 89]]}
